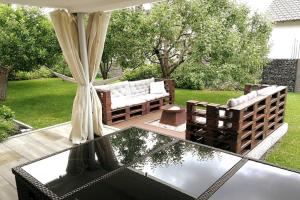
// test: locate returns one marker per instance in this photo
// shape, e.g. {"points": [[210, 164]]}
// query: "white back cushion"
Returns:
{"points": [[157, 87], [252, 95], [237, 101], [141, 87], [119, 89], [266, 91]]}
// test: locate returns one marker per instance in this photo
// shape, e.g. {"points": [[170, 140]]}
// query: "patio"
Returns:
{"points": [[42, 142]]}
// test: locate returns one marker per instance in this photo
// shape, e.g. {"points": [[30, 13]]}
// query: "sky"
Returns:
{"points": [[257, 5]]}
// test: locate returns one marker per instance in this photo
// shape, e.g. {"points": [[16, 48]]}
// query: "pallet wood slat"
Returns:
{"points": [[242, 127]]}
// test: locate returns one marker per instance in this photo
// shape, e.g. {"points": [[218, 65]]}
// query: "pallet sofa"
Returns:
{"points": [[240, 125], [127, 99]]}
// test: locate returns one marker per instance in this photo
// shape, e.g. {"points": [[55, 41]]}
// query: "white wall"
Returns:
{"points": [[285, 41]]}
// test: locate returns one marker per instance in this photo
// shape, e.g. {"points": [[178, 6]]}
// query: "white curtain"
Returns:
{"points": [[65, 25]]}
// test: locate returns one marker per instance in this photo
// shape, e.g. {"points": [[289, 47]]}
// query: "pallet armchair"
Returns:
{"points": [[240, 125], [124, 100]]}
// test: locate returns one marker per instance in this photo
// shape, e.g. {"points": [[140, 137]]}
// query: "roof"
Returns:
{"points": [[285, 10], [84, 6]]}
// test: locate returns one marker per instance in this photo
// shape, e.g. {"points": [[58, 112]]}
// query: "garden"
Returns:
{"points": [[210, 48]]}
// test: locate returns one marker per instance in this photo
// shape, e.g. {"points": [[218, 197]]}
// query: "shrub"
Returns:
{"points": [[225, 77], [143, 72], [43, 72], [7, 128], [189, 76], [7, 125], [6, 113], [62, 67]]}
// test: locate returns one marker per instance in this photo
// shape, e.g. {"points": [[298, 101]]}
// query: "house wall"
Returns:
{"points": [[285, 40], [282, 72]]}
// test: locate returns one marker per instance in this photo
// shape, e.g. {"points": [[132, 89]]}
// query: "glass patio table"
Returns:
{"points": [[141, 165]]}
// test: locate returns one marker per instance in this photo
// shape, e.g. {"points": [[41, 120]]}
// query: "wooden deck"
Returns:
{"points": [[42, 142]]}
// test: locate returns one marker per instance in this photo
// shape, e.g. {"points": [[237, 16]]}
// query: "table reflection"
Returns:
{"points": [[188, 167]]}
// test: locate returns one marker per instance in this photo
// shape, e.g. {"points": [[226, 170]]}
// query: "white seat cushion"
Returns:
{"points": [[141, 87], [121, 102], [120, 89], [157, 87], [150, 97]]}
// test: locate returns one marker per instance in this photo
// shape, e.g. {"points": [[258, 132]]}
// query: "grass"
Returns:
{"points": [[46, 102], [41, 102]]}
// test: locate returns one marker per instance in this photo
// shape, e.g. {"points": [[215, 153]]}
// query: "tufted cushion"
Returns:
{"points": [[121, 102], [237, 101], [120, 89], [141, 87], [252, 95], [266, 91]]}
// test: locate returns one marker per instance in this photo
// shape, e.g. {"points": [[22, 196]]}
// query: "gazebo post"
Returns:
{"points": [[84, 60]]}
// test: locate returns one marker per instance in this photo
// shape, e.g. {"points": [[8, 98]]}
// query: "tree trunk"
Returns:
{"points": [[104, 71], [3, 83], [165, 64]]}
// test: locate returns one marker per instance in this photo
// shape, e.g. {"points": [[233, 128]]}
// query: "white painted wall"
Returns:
{"points": [[285, 41]]}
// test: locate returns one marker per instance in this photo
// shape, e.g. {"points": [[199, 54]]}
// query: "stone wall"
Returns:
{"points": [[281, 72]]}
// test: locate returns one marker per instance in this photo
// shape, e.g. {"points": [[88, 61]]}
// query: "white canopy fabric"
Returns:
{"points": [[65, 25], [84, 6]]}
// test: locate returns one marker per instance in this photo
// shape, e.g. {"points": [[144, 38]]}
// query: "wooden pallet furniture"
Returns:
{"points": [[239, 128], [136, 108]]}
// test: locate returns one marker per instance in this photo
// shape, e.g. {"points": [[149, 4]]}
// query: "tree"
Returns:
{"points": [[172, 35], [27, 41], [138, 35], [212, 35], [126, 40]]}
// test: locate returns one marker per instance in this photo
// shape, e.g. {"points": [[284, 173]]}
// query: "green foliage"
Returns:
{"points": [[7, 125], [126, 40], [143, 72], [7, 128], [6, 113], [42, 72], [224, 77], [188, 76], [27, 39], [62, 67]]}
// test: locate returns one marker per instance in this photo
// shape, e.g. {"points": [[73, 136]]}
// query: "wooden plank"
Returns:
{"points": [[7, 191]]}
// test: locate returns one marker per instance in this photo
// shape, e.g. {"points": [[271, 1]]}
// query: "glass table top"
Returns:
{"points": [[260, 181], [84, 163]]}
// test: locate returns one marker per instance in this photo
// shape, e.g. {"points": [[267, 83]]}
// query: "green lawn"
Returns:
{"points": [[46, 102], [41, 102]]}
